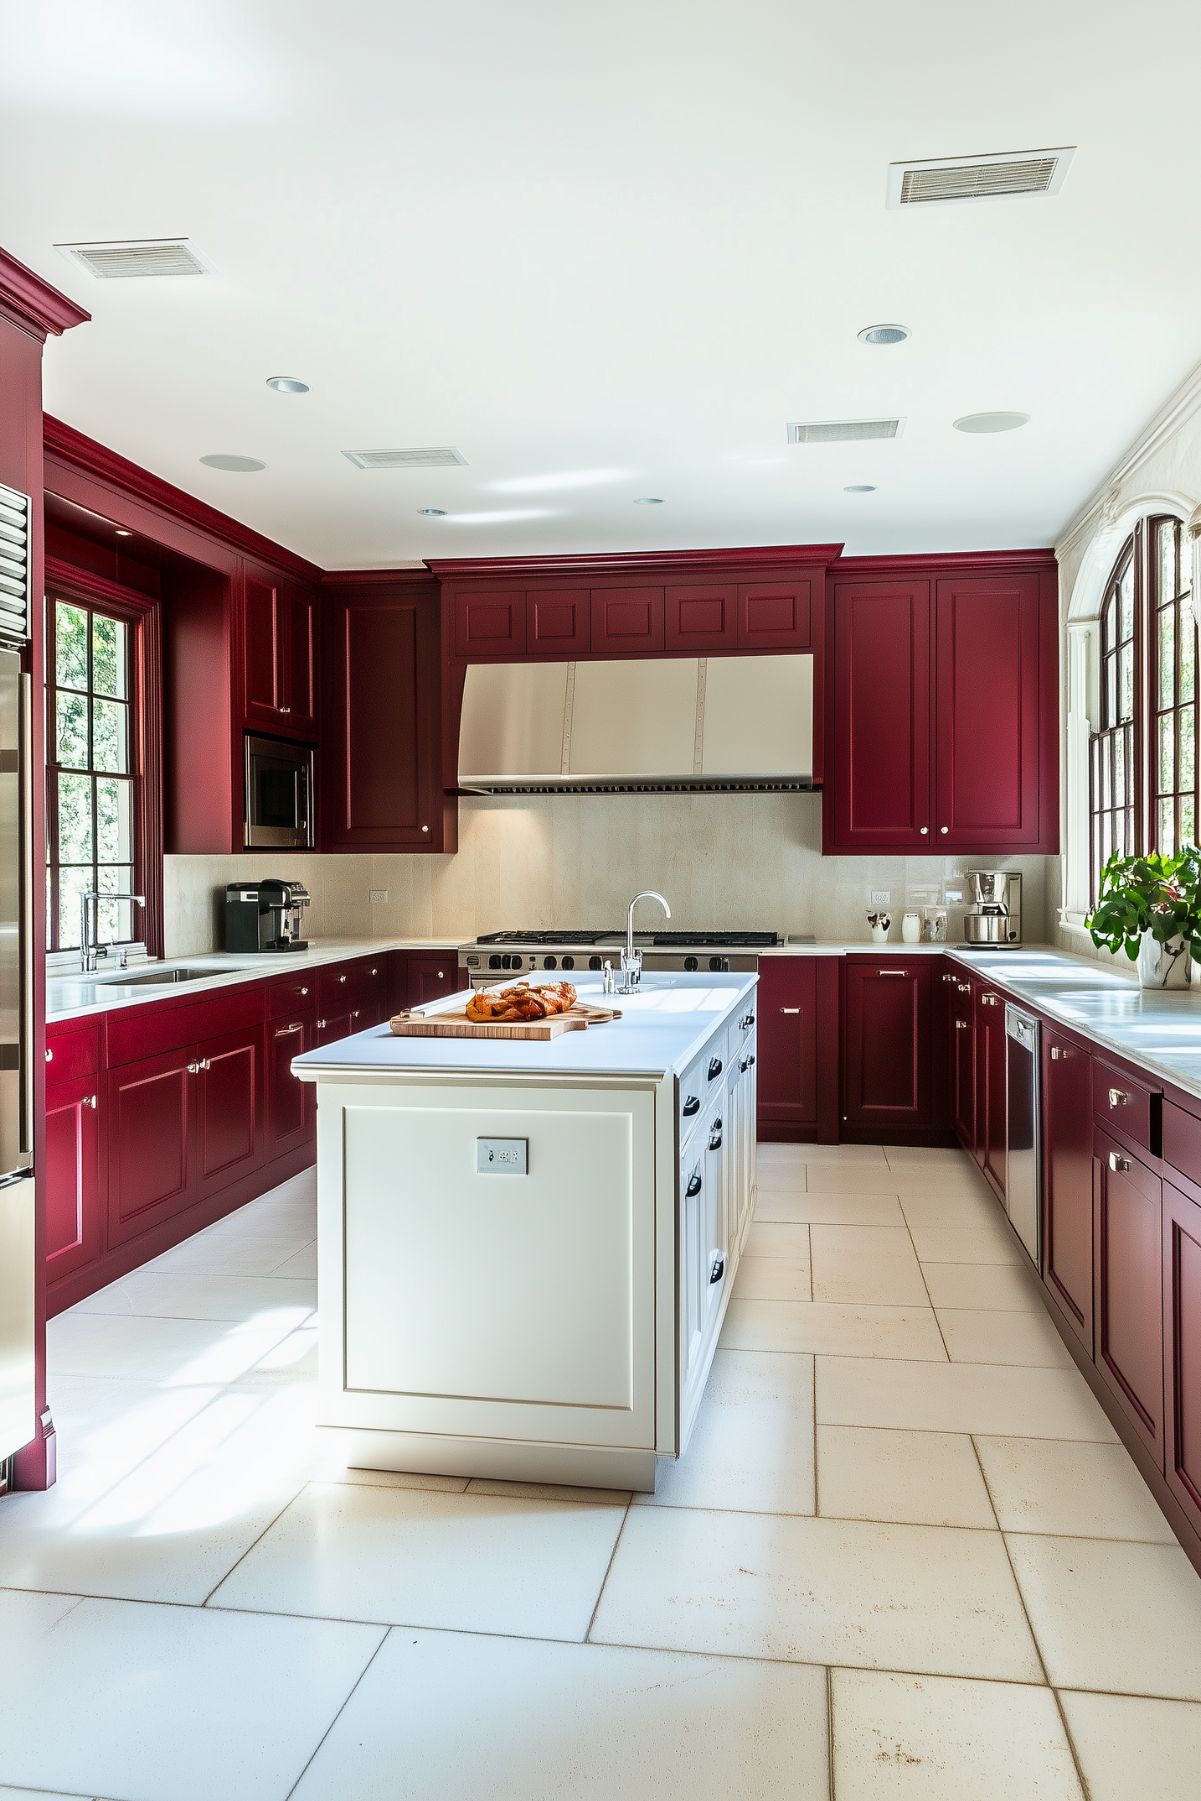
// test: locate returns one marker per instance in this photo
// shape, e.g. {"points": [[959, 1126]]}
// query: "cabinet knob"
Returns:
{"points": [[341, 978], [375, 972], [193, 1069], [441, 975], [90, 1101], [964, 987], [924, 830], [304, 991], [425, 828], [355, 1012], [49, 1055], [1117, 1098], [944, 829], [321, 1024], [1119, 1163]]}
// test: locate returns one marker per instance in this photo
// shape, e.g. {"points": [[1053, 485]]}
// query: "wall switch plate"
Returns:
{"points": [[880, 897], [377, 896], [502, 1156]]}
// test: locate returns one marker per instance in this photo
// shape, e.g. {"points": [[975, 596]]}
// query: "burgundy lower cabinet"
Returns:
{"points": [[70, 1185], [1182, 1349], [1128, 1285], [989, 1142], [1067, 1137], [228, 1108], [961, 1060], [888, 1057], [788, 1032], [427, 976], [290, 1105]]}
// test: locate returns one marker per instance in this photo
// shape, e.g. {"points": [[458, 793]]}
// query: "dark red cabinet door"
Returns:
{"points": [[627, 622], [1068, 1180], [71, 1176], [290, 1103], [701, 616], [374, 998], [990, 1073], [429, 977], [380, 746], [332, 1026], [961, 1054], [786, 1009], [1128, 1284], [489, 622], [228, 1106], [878, 780], [1182, 1349], [987, 713], [262, 653], [888, 1043], [777, 615], [148, 1107], [299, 648], [558, 622]]}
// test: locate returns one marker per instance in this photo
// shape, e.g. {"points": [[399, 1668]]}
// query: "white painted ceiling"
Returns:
{"points": [[610, 251]]}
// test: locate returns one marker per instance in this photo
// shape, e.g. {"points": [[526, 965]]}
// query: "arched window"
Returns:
{"points": [[1143, 754]]}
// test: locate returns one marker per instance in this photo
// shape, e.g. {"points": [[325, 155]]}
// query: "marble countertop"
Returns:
{"points": [[661, 1029]]}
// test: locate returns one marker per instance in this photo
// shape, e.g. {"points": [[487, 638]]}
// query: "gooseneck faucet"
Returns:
{"points": [[631, 960], [89, 950]]}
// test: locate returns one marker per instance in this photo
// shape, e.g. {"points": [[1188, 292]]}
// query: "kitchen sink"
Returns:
{"points": [[163, 978]]}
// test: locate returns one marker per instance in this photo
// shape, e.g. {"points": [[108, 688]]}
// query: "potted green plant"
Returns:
{"points": [[1150, 907]]}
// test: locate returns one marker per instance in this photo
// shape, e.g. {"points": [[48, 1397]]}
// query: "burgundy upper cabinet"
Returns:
{"points": [[558, 622], [489, 622], [779, 615], [701, 616], [943, 708], [878, 766], [279, 657], [381, 783], [627, 622]]}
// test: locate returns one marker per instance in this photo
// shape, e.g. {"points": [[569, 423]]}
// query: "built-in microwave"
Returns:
{"points": [[279, 794]]}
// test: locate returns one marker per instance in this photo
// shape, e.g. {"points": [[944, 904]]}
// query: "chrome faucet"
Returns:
{"points": [[89, 950], [631, 960]]}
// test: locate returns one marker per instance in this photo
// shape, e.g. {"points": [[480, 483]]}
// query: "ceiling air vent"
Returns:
{"points": [[437, 456], [843, 431], [133, 257], [1005, 176]]}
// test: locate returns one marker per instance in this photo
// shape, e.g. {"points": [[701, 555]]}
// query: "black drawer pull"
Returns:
{"points": [[715, 1067], [693, 1188], [715, 1142], [747, 1020], [717, 1270], [691, 1105]]}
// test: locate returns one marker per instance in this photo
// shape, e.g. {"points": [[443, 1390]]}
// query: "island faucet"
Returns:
{"points": [[89, 950], [631, 960]]}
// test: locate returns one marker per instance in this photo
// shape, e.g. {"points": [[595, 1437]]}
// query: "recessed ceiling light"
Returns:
{"points": [[234, 465], [884, 334], [991, 422], [649, 500], [287, 384], [122, 531], [432, 512], [860, 488]]}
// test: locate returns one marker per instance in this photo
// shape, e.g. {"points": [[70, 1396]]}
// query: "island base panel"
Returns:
{"points": [[427, 1454]]}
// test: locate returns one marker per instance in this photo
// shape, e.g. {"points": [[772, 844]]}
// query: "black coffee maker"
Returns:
{"points": [[264, 916]]}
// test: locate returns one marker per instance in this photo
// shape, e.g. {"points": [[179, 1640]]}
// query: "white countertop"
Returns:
{"points": [[661, 1029]]}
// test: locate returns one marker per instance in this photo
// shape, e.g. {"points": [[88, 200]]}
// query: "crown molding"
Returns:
{"points": [[1177, 410], [642, 563], [412, 574], [33, 303], [968, 562]]}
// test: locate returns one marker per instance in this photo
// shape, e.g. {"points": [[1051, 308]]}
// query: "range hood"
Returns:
{"points": [[638, 726]]}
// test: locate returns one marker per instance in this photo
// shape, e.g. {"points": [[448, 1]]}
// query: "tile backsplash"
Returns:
{"points": [[722, 860]]}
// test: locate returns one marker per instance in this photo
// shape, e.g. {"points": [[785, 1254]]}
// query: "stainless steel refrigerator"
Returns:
{"points": [[17, 1340]]}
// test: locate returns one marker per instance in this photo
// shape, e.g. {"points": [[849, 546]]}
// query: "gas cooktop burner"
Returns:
{"points": [[703, 940], [545, 937], [664, 940]]}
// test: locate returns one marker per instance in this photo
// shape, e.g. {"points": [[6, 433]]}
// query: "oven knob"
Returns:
{"points": [[549, 962], [719, 963], [692, 963], [494, 962], [594, 962], [473, 962], [568, 962]]}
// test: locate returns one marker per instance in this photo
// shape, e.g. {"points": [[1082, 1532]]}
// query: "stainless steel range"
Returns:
{"points": [[497, 955]]}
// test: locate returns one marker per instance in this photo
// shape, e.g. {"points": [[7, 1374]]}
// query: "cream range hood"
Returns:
{"points": [[638, 726]]}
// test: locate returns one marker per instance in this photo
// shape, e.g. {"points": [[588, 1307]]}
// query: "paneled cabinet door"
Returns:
{"points": [[298, 607], [1128, 1284], [961, 1058], [228, 1106], [879, 778], [290, 1103], [888, 1043], [786, 1004], [1182, 1348], [627, 622], [717, 1226], [987, 710], [777, 615], [148, 1106], [430, 977], [1067, 1136], [701, 616], [990, 1084], [263, 632], [71, 1176], [558, 622], [489, 622]]}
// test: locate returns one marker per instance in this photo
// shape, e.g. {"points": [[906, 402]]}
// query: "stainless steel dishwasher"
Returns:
{"points": [[1023, 1149]]}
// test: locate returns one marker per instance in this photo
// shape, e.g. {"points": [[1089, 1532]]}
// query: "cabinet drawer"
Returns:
{"points": [[294, 995], [147, 1030], [71, 1054], [1127, 1105], [1182, 1142], [345, 986]]}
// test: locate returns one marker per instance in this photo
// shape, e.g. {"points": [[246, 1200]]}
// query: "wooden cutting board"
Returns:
{"points": [[457, 1025]]}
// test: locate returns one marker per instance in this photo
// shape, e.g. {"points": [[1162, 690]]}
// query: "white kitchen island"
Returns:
{"points": [[525, 1250]]}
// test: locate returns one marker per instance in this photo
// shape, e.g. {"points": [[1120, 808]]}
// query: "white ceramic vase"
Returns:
{"points": [[1163, 965]]}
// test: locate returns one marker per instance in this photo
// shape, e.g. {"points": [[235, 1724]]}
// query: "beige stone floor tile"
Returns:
{"points": [[1045, 1485], [785, 1154], [873, 1264], [959, 1397], [774, 1279], [1108, 1615], [979, 1336], [777, 1241], [919, 1598], [799, 1206], [966, 1244], [833, 1328], [922, 1478], [964, 1209], [1136, 1750], [752, 1446], [849, 1178], [989, 1286], [937, 1738], [907, 1156]]}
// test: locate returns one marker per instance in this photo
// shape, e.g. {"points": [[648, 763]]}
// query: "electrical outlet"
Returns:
{"points": [[880, 897], [377, 896]]}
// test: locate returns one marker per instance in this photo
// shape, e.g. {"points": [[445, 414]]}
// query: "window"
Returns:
{"points": [[96, 790], [1143, 754]]}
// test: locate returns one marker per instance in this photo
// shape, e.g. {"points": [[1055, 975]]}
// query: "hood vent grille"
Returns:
{"points": [[843, 431], [1002, 177], [122, 261], [437, 456], [743, 784]]}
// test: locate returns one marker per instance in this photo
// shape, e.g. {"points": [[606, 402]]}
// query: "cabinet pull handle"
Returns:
{"points": [[49, 1055], [286, 1031], [715, 1142], [693, 1188], [744, 1065], [751, 1058], [715, 1068], [990, 1000], [892, 972], [193, 1069], [717, 1270], [718, 1124], [790, 1010], [964, 987], [321, 1024], [1117, 1098], [1058, 1054], [691, 1105], [747, 1020], [961, 1025], [1121, 1164], [951, 978], [285, 709], [90, 1101], [355, 1012]]}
